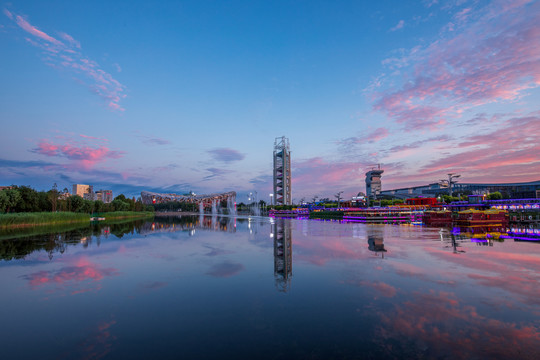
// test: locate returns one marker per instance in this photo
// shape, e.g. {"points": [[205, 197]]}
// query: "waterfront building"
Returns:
{"points": [[81, 189], [358, 201], [373, 182], [104, 195], [508, 190], [282, 171], [90, 196]]}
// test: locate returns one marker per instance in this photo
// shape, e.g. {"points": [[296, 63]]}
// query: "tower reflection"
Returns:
{"points": [[376, 240], [282, 233]]}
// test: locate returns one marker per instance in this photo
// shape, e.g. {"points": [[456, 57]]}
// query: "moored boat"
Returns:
{"points": [[438, 218], [482, 217], [382, 215]]}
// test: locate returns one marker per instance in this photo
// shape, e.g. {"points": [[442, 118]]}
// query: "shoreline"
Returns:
{"points": [[28, 220], [192, 213]]}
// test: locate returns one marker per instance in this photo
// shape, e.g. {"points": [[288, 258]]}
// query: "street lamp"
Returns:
{"points": [[338, 196], [451, 181]]}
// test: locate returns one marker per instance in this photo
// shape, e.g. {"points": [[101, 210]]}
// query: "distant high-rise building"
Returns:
{"points": [[282, 171], [373, 182], [80, 190], [104, 195], [90, 196]]}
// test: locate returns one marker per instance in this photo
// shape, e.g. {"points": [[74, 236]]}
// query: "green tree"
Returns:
{"points": [[76, 203], [13, 197], [139, 205], [29, 200], [448, 199], [44, 203], [495, 196], [53, 196], [119, 205], [121, 197], [87, 206], [99, 206], [3, 201]]}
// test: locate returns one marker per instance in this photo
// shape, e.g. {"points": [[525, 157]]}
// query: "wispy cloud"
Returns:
{"points": [[26, 26], [226, 155], [216, 173], [489, 59], [509, 152], [70, 40], [225, 269], [419, 143], [384, 289], [398, 26], [66, 54], [25, 164], [368, 138], [149, 140]]}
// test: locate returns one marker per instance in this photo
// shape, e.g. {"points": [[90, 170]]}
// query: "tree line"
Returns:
{"points": [[20, 199]]}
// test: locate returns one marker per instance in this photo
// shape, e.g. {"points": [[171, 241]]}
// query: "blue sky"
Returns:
{"points": [[190, 95]]}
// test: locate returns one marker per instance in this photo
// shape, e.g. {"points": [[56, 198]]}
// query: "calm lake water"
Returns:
{"points": [[207, 288]]}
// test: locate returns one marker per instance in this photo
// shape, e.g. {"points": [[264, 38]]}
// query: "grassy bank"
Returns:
{"points": [[125, 215], [41, 218], [20, 220]]}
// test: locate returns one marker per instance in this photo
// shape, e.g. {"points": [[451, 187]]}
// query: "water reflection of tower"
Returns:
{"points": [[376, 240], [282, 253]]}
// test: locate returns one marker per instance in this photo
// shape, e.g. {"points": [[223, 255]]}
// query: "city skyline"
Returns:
{"points": [[186, 96]]}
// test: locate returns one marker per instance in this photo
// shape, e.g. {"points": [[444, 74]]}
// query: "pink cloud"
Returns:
{"points": [[90, 137], [67, 55], [490, 60], [87, 156], [509, 152], [418, 144], [352, 143], [384, 289], [8, 14], [334, 247], [25, 25], [502, 270], [454, 330], [70, 39], [315, 174], [72, 275]]}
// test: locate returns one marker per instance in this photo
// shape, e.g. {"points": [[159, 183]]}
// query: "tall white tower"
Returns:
{"points": [[282, 171]]}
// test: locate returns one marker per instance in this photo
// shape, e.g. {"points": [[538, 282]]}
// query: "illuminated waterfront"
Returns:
{"points": [[209, 287]]}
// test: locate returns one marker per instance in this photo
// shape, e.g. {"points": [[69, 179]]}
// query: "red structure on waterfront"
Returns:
{"points": [[421, 201]]}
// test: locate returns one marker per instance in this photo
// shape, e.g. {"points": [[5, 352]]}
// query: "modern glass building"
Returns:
{"points": [[509, 190]]}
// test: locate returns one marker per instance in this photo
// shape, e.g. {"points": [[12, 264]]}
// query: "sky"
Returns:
{"points": [[178, 96]]}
